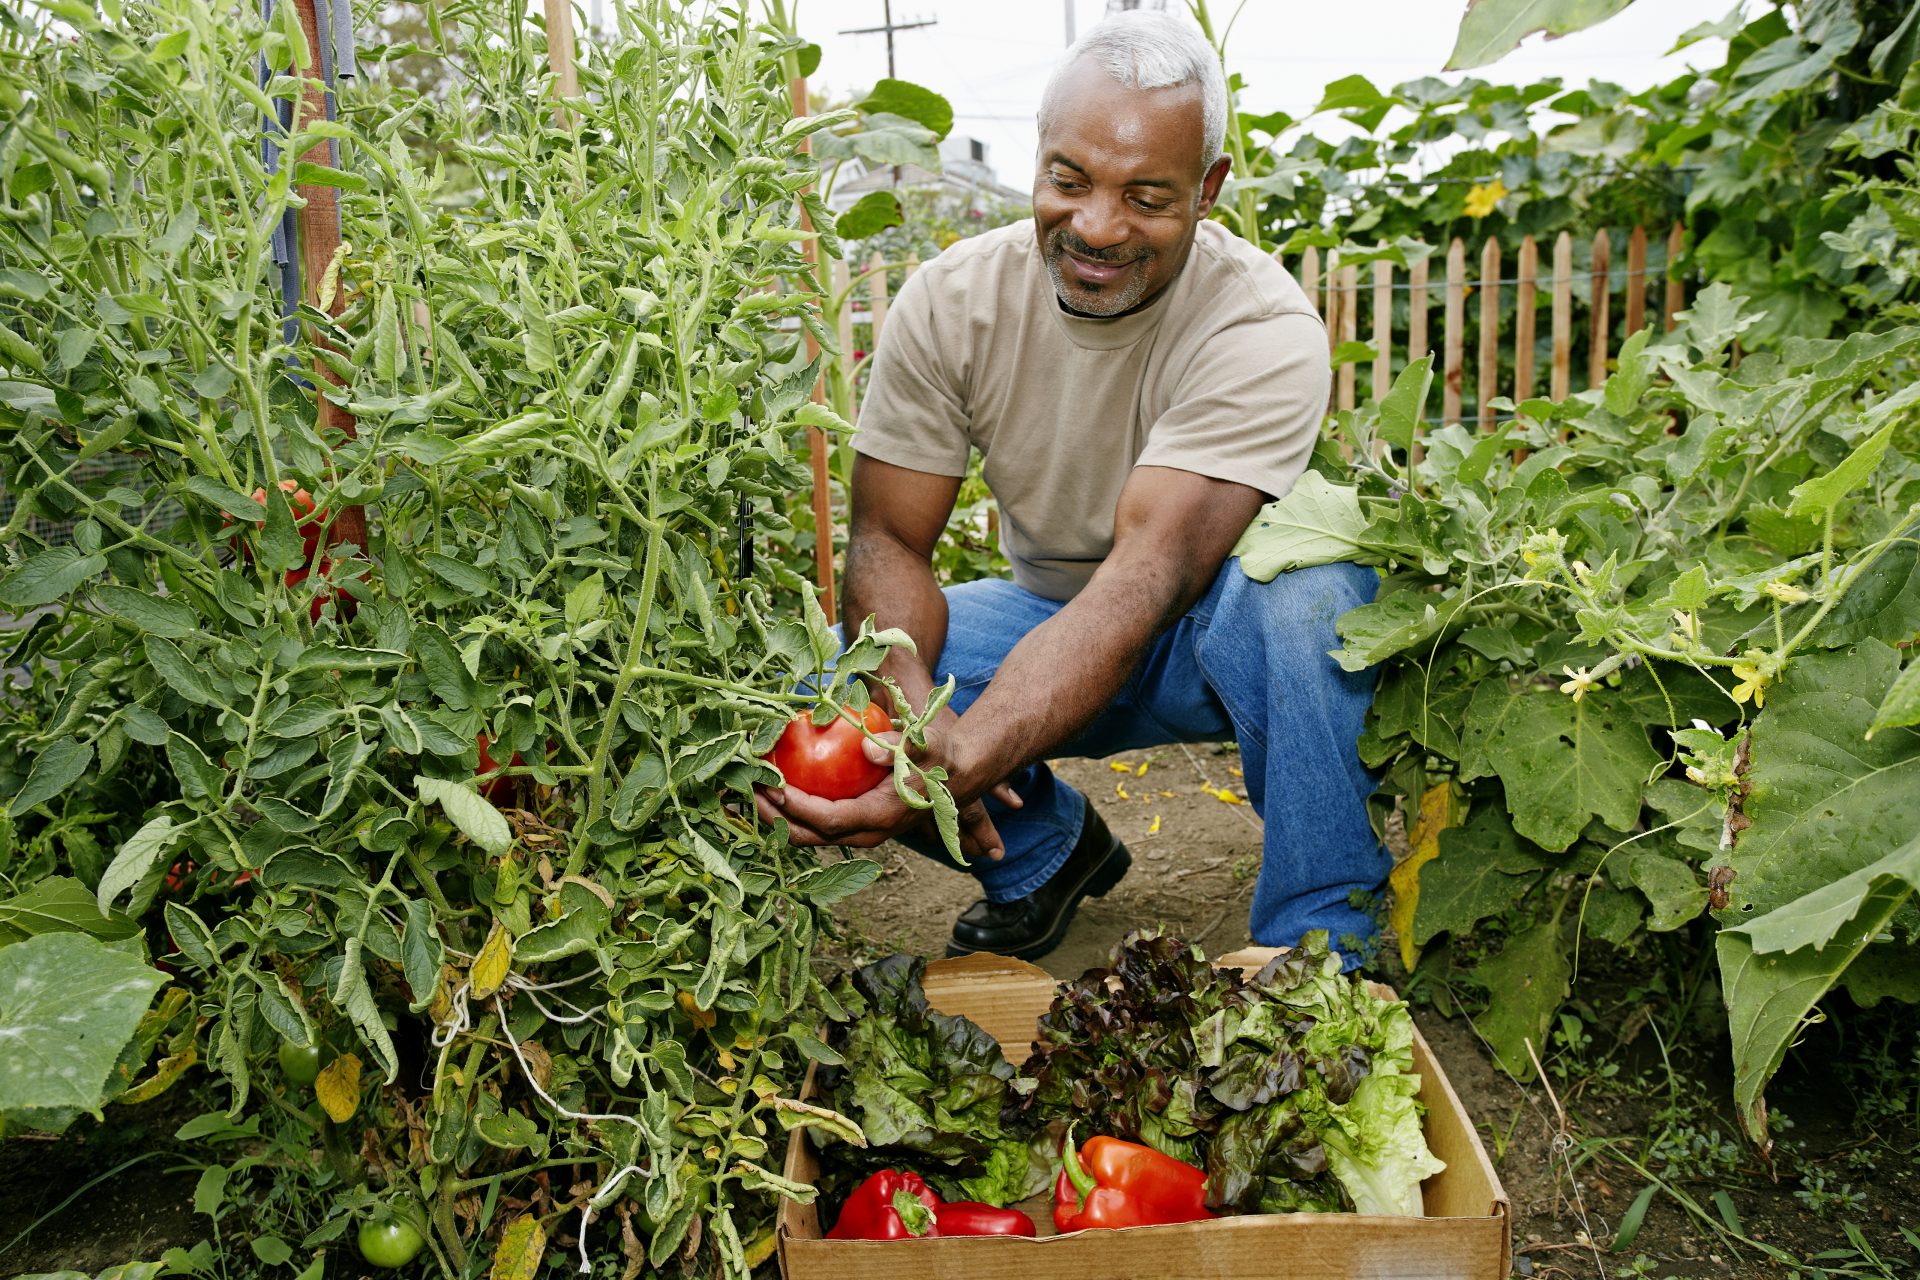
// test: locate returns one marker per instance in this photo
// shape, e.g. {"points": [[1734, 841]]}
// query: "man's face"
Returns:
{"points": [[1122, 184]]}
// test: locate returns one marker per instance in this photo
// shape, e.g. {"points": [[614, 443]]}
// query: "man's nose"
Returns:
{"points": [[1100, 221]]}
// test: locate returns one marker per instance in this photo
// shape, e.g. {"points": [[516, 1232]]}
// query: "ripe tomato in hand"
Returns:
{"points": [[830, 762]]}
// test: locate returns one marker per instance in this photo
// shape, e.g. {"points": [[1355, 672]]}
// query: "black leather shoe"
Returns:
{"points": [[1027, 928]]}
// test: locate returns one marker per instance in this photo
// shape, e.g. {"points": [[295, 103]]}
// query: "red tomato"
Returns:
{"points": [[494, 788], [300, 502], [829, 762]]}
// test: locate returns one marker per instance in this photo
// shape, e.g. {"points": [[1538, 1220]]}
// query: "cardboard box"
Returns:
{"points": [[1465, 1236]]}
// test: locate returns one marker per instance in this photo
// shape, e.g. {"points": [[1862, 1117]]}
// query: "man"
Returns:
{"points": [[1138, 382]]}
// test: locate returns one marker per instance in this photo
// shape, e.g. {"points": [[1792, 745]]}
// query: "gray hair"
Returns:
{"points": [[1143, 49]]}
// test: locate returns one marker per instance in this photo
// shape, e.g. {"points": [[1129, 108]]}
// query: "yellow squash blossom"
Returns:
{"points": [[1482, 200]]}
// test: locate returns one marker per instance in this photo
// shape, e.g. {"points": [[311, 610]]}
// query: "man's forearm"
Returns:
{"points": [[897, 587], [1065, 672]]}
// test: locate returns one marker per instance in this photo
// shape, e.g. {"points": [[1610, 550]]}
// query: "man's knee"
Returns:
{"points": [[1304, 604]]}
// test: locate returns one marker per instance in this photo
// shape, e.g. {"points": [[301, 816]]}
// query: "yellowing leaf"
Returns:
{"points": [[338, 1087], [521, 1247], [702, 1018], [1439, 809], [490, 966]]}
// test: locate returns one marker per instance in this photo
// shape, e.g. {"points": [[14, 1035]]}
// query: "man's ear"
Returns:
{"points": [[1210, 185]]}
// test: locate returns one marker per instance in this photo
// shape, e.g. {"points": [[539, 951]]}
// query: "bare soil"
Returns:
{"points": [[1196, 852]]}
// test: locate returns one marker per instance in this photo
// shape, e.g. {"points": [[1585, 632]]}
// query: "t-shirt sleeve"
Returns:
{"points": [[1249, 406], [914, 413]]}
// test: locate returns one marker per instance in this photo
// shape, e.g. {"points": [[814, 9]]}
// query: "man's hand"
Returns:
{"points": [[880, 814]]}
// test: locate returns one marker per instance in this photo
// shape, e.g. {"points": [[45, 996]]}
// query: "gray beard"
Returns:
{"points": [[1087, 301]]}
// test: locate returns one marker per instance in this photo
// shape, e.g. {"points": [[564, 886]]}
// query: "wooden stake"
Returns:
{"points": [[817, 445], [1602, 299], [1487, 386], [1382, 329], [1562, 376], [1526, 304], [1310, 277], [1455, 336], [560, 57], [318, 230], [1636, 280]]}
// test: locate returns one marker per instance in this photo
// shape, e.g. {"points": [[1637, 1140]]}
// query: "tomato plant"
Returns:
{"points": [[830, 760], [567, 383]]}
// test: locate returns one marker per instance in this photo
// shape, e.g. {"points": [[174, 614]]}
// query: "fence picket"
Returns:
{"points": [[1636, 280], [1382, 328], [1455, 336], [1562, 375], [1417, 310], [1525, 306], [1487, 385], [1602, 298], [1349, 329], [1676, 289]]}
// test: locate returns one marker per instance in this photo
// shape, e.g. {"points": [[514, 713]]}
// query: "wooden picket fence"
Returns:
{"points": [[1345, 298]]}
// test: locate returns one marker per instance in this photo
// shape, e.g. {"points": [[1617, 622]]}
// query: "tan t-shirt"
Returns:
{"points": [[1224, 375]]}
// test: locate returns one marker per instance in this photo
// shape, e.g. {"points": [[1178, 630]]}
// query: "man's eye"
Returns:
{"points": [[1147, 206], [1064, 184]]}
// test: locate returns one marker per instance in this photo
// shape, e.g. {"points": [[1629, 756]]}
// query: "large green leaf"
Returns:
{"points": [[68, 1005], [912, 102], [1482, 869], [57, 768], [1526, 983], [59, 904], [883, 139], [1823, 799], [1492, 29], [1563, 762], [468, 810], [1402, 621], [47, 576], [1318, 522], [872, 213]]}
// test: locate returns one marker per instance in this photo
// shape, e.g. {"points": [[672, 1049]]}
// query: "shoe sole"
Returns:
{"points": [[1111, 870]]}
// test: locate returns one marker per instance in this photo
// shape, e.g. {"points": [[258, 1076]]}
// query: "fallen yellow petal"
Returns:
{"points": [[1154, 830], [1141, 771], [1120, 766]]}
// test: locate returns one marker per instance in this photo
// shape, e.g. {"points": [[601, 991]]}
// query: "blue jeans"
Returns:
{"points": [[1248, 662]]}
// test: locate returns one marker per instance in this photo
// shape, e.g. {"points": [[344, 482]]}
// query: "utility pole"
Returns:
{"points": [[888, 27]]}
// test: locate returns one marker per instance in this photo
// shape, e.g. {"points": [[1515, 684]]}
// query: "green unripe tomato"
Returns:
{"points": [[389, 1242], [300, 1064]]}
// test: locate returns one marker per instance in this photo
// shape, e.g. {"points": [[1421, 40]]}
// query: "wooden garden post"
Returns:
{"points": [[318, 231], [816, 438]]}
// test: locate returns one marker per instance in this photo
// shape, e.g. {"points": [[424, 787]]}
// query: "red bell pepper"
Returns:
{"points": [[896, 1205], [1124, 1184], [890, 1205], [975, 1218]]}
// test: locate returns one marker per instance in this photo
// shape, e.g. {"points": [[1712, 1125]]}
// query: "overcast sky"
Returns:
{"points": [[991, 57]]}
